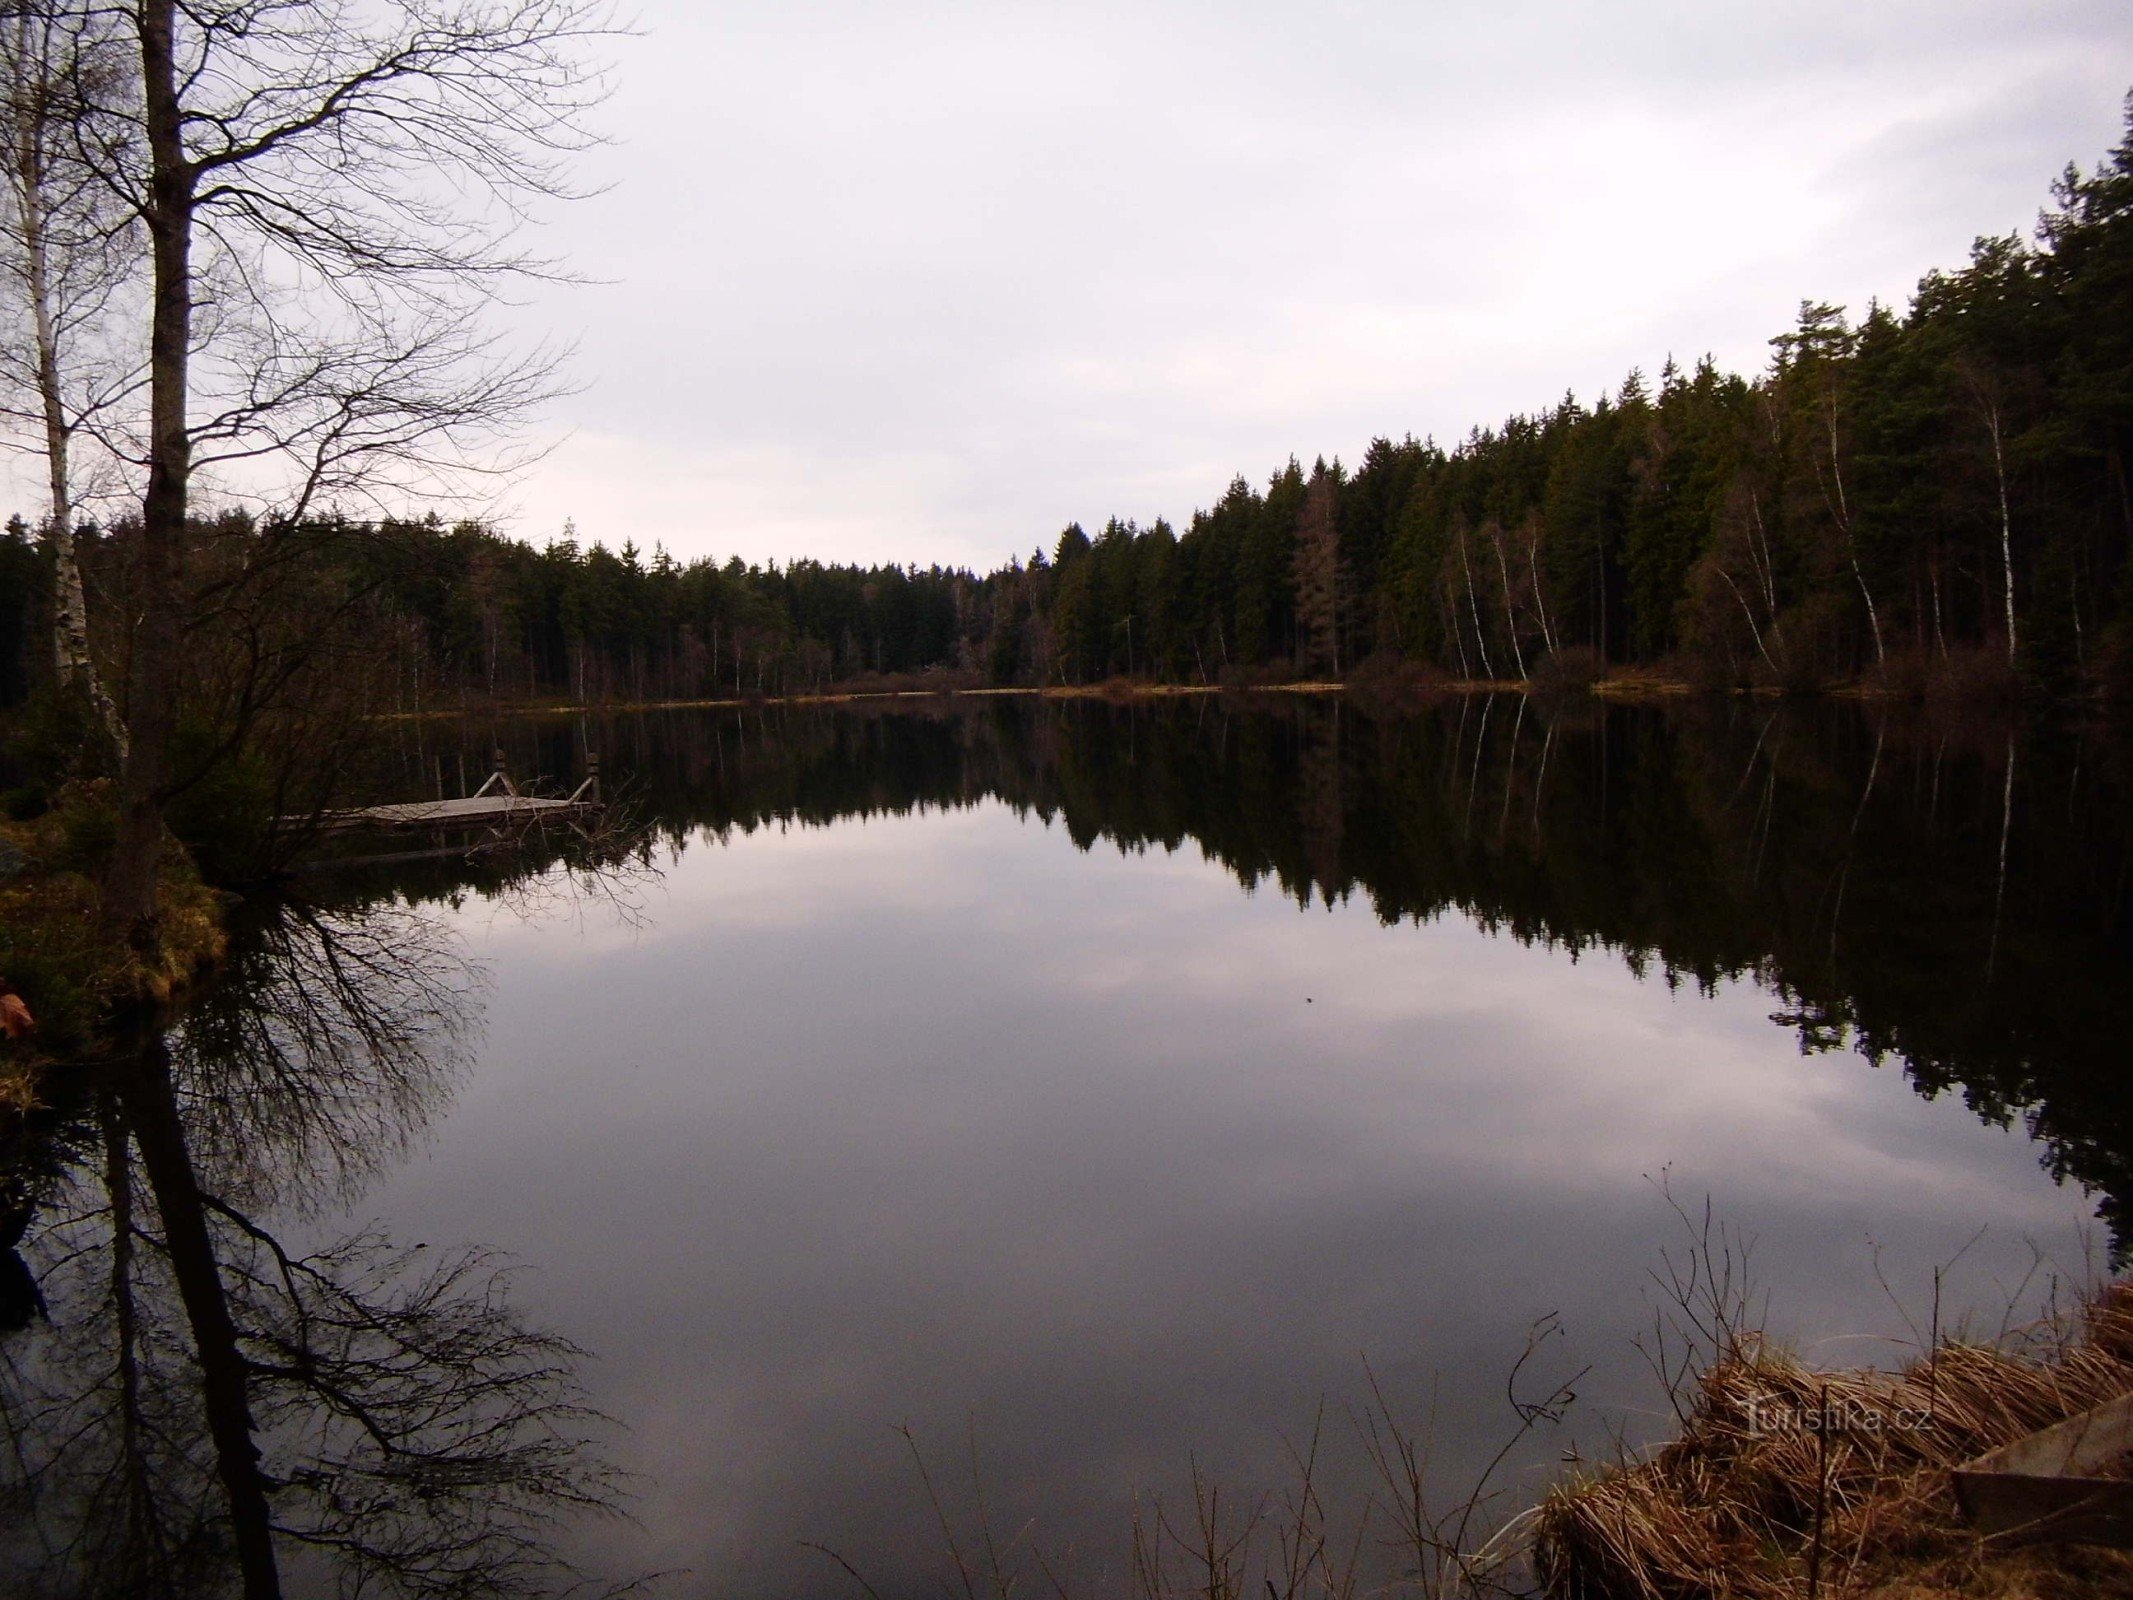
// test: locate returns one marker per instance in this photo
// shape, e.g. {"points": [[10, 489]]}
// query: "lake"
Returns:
{"points": [[1102, 1094]]}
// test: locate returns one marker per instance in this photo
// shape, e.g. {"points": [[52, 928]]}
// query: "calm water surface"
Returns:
{"points": [[1103, 1087]]}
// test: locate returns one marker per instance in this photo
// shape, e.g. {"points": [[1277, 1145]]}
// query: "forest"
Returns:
{"points": [[1935, 497]]}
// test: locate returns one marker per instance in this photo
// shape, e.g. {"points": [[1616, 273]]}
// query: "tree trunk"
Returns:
{"points": [[144, 1541], [1510, 619], [152, 1111], [130, 886], [70, 616], [1999, 893], [1851, 541], [1940, 637], [1540, 598], [1999, 472], [1481, 642]]}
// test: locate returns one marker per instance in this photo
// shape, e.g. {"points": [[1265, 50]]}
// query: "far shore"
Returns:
{"points": [[1629, 687]]}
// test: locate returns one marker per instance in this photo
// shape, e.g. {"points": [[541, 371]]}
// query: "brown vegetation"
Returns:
{"points": [[1972, 676], [1787, 1482], [1392, 680], [1572, 669], [70, 977]]}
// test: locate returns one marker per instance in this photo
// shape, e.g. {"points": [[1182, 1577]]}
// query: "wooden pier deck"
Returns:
{"points": [[497, 804], [476, 811]]}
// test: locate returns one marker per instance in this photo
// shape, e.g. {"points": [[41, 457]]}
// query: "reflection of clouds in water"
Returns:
{"points": [[815, 874], [1425, 1032], [601, 902], [974, 1119]]}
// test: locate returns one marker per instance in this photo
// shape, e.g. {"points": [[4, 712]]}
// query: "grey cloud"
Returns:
{"points": [[930, 281]]}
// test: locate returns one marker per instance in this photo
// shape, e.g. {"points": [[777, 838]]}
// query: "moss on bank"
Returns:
{"points": [[1730, 1508], [74, 980]]}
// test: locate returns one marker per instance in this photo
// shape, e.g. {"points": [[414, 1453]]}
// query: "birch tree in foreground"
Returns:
{"points": [[69, 255], [332, 193]]}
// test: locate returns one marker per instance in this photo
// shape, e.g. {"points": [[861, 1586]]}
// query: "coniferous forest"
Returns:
{"points": [[1937, 496]]}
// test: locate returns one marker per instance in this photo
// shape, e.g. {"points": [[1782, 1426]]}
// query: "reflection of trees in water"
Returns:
{"points": [[203, 1407], [332, 1042], [1952, 897]]}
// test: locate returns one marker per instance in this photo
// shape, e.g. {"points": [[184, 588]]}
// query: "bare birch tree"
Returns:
{"points": [[1984, 397], [1494, 530], [1814, 354], [332, 192], [70, 257]]}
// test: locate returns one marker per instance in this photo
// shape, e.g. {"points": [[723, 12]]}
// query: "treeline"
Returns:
{"points": [[1939, 491], [1937, 495]]}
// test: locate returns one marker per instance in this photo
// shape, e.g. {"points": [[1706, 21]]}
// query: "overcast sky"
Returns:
{"points": [[924, 283]]}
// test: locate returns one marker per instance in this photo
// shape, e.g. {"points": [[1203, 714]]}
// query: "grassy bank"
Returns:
{"points": [[1786, 1482], [74, 981]]}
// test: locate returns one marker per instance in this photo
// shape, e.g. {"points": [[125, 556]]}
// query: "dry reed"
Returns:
{"points": [[1787, 1483]]}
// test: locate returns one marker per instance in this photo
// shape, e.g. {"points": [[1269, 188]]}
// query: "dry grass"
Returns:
{"points": [[1653, 683], [18, 1084], [1755, 1499]]}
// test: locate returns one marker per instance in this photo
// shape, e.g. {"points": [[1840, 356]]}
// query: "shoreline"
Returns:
{"points": [[84, 992], [1626, 690]]}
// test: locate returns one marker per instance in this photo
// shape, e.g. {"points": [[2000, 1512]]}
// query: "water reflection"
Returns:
{"points": [[201, 1398], [867, 1097], [1947, 896], [953, 1074]]}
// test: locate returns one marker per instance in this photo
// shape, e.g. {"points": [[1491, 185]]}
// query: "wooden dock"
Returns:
{"points": [[496, 805], [2061, 1484]]}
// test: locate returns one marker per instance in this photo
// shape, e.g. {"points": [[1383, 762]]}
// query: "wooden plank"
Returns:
{"points": [[474, 811], [496, 804], [2077, 1447], [2043, 1487]]}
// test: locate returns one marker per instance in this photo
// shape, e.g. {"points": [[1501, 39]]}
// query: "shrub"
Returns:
{"points": [[225, 819], [55, 738], [1573, 668], [1394, 679], [1903, 674], [87, 828], [1981, 675]]}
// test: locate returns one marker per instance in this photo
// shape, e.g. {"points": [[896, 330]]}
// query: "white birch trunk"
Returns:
{"points": [[76, 668]]}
